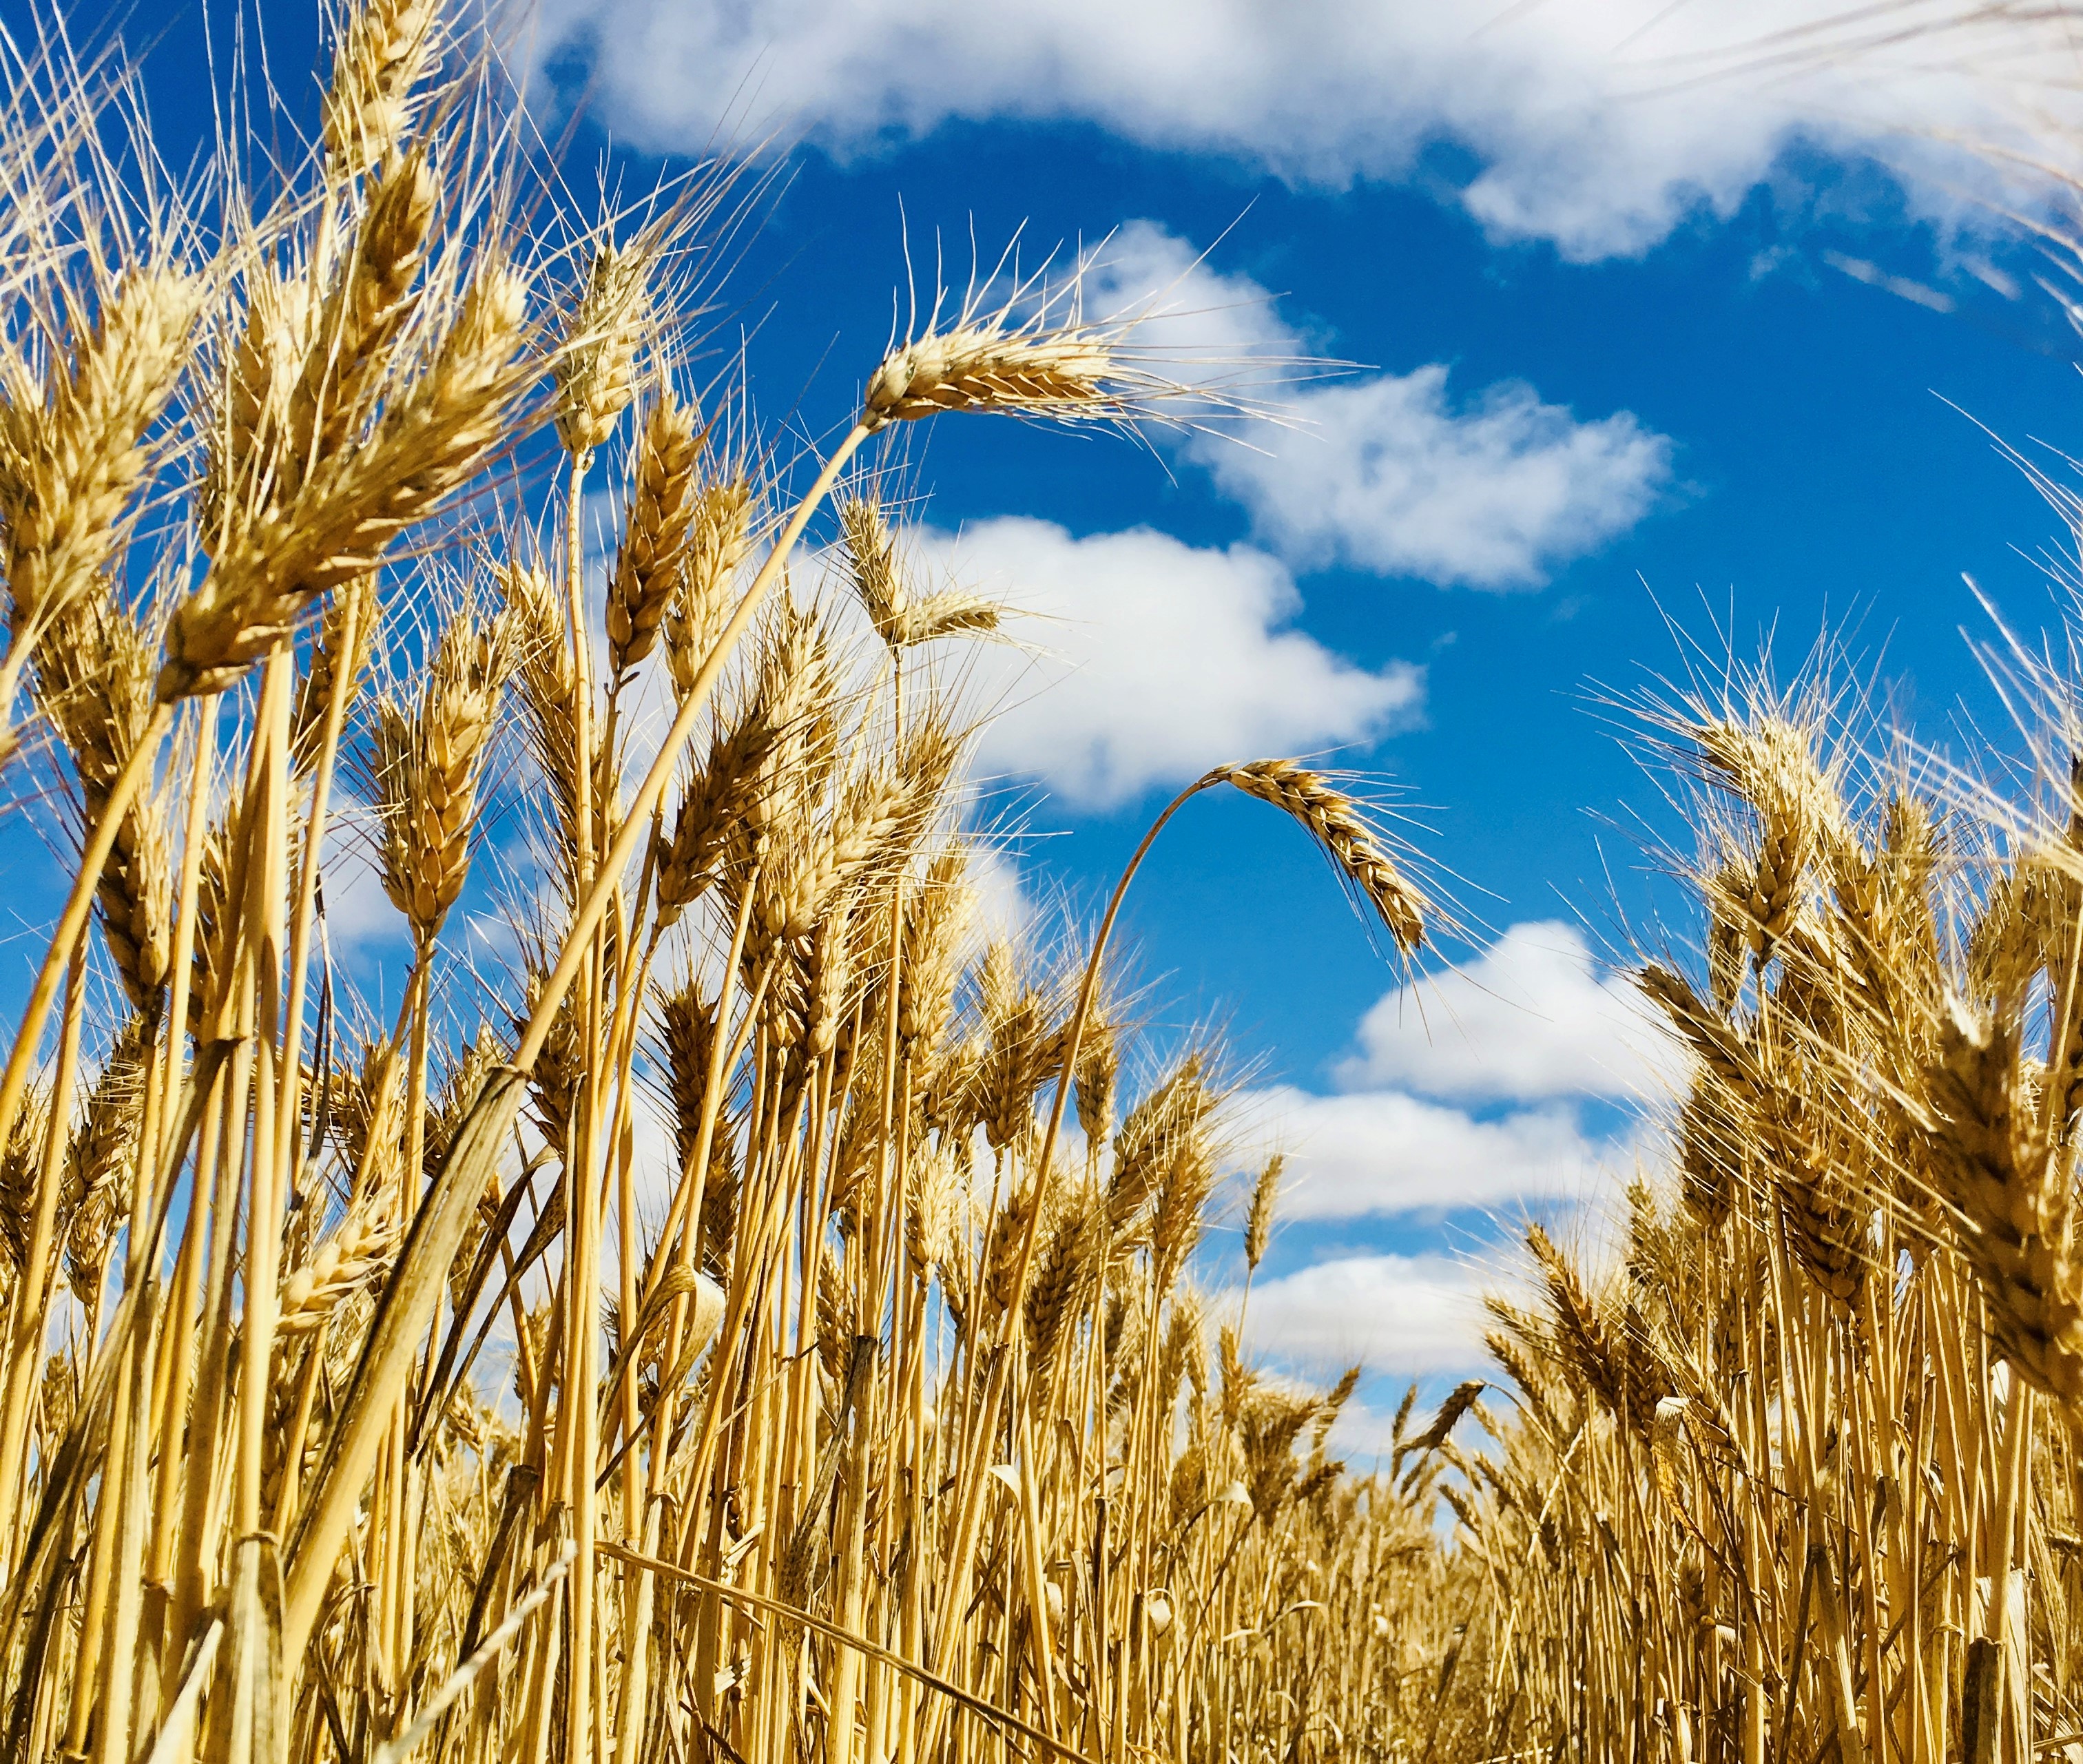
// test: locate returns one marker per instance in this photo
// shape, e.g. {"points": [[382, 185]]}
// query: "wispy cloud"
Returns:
{"points": [[1387, 473], [1601, 126]]}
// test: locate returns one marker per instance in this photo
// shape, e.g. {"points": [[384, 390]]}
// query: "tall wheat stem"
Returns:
{"points": [[307, 885], [72, 922], [339, 1481], [31, 1297], [973, 1483], [171, 1404]]}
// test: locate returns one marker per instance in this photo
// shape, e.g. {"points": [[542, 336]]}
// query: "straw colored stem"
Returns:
{"points": [[72, 921]]}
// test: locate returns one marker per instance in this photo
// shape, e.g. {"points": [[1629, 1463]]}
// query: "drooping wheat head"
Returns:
{"points": [[1335, 821]]}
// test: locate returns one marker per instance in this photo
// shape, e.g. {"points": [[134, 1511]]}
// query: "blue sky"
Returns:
{"points": [[1631, 359]]}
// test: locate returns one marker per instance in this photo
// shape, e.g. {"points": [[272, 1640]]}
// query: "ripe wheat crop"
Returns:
{"points": [[376, 1386], [380, 1387]]}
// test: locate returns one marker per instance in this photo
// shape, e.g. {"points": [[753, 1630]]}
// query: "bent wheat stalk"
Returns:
{"points": [[738, 1595], [1332, 818], [72, 921]]}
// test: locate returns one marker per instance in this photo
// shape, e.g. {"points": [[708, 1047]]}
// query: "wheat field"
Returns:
{"points": [[377, 1387]]}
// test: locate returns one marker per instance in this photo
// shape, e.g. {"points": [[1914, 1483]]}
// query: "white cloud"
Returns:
{"points": [[1410, 1316], [1163, 660], [1378, 1154], [360, 918], [1364, 1434], [1598, 125], [1532, 1023], [1385, 475], [1385, 472], [654, 1165], [1003, 909], [1532, 1018]]}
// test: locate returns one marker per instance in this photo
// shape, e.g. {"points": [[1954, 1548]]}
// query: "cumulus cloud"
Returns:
{"points": [[1598, 125], [360, 920], [1384, 472], [654, 1162], [1532, 1025], [1407, 1315], [1467, 1091], [1532, 1018], [1154, 660], [1381, 1154]]}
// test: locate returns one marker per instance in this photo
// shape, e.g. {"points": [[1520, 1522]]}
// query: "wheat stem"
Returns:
{"points": [[307, 882], [380, 1374], [72, 921], [30, 1297]]}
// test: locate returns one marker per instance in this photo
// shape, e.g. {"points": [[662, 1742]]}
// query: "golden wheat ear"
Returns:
{"points": [[595, 368], [1334, 820], [1999, 1171], [75, 452], [1066, 374], [1029, 351], [443, 429], [380, 55], [658, 533]]}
